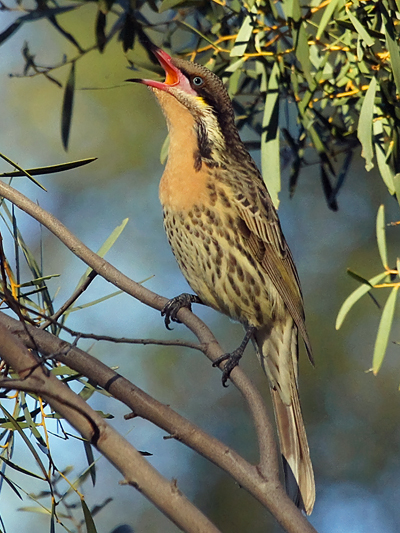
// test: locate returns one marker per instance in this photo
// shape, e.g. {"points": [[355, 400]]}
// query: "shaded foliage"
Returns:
{"points": [[336, 67]]}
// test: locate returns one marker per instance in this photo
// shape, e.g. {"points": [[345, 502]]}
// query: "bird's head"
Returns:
{"points": [[203, 94]]}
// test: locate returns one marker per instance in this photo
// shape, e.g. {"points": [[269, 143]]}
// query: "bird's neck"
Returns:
{"points": [[211, 144], [185, 178]]}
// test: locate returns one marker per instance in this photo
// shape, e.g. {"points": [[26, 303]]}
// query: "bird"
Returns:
{"points": [[226, 236]]}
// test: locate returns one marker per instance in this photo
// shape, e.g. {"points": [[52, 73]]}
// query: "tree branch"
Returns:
{"points": [[136, 470], [265, 486]]}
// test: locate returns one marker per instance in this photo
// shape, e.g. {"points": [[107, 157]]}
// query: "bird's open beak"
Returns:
{"points": [[173, 75]]}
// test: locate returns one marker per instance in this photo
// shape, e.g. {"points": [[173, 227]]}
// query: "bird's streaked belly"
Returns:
{"points": [[213, 258]]}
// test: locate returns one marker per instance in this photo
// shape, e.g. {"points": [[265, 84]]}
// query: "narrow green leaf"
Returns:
{"points": [[39, 281], [362, 32], [233, 84], [195, 31], [107, 245], [29, 420], [64, 371], [18, 468], [235, 65], [105, 5], [91, 462], [303, 54], [243, 37], [128, 33], [381, 235], [364, 131], [94, 302], [90, 526], [53, 516], [396, 183], [385, 169], [12, 486], [327, 187], [292, 9], [31, 509], [355, 296], [101, 38], [385, 326], [110, 241], [392, 46], [67, 107], [270, 146], [169, 4], [50, 169], [360, 279], [23, 171], [326, 17]]}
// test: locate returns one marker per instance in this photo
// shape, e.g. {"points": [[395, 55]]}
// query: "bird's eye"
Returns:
{"points": [[197, 81]]}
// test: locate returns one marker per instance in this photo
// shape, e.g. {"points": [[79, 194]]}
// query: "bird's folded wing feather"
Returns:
{"points": [[266, 240]]}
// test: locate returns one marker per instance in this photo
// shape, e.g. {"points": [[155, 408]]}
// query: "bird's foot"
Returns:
{"points": [[172, 307], [232, 359]]}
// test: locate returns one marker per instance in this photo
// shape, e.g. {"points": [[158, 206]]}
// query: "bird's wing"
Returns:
{"points": [[266, 241]]}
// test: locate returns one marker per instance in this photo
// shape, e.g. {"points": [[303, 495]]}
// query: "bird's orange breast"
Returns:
{"points": [[181, 185]]}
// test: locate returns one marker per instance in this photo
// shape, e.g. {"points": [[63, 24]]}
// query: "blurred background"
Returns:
{"points": [[351, 416]]}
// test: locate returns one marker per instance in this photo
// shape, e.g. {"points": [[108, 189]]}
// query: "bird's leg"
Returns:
{"points": [[171, 308], [232, 359]]}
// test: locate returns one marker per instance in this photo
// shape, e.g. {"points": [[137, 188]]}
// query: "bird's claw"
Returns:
{"points": [[172, 307], [232, 359]]}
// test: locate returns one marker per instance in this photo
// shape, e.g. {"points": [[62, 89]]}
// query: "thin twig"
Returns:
{"points": [[71, 300], [17, 307], [127, 340]]}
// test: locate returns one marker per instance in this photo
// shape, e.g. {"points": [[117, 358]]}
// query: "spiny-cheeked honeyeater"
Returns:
{"points": [[225, 234]]}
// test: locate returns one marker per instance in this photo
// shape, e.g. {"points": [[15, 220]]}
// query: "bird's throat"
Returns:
{"points": [[185, 178]]}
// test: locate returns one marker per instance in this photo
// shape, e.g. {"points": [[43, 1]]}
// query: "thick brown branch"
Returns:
{"points": [[135, 469], [264, 486]]}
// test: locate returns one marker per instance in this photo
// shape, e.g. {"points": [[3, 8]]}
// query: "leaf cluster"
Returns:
{"points": [[327, 73]]}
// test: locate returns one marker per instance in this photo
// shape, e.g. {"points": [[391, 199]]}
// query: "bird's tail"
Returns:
{"points": [[278, 353]]}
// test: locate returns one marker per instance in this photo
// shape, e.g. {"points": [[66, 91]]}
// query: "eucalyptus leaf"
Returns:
{"points": [[50, 169], [326, 17], [21, 170], [362, 32], [355, 296], [385, 168], [396, 183], [270, 145], [67, 107], [244, 35], [392, 46], [107, 245], [381, 235], [89, 522], [364, 131], [385, 325], [170, 4]]}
